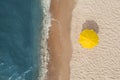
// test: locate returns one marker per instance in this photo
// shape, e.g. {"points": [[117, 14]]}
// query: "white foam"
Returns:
{"points": [[44, 52]]}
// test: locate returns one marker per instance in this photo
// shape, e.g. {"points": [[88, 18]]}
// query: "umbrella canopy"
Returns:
{"points": [[88, 38]]}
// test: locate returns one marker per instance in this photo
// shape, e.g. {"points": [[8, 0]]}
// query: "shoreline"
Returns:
{"points": [[44, 55], [59, 42]]}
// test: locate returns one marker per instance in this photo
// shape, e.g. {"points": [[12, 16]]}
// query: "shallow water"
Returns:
{"points": [[20, 26]]}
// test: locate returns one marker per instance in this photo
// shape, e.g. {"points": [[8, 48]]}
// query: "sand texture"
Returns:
{"points": [[102, 62]]}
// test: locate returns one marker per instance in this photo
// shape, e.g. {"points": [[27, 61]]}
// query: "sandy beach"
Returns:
{"points": [[71, 61], [59, 43]]}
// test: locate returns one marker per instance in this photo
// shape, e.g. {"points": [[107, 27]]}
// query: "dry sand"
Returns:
{"points": [[102, 62], [59, 43]]}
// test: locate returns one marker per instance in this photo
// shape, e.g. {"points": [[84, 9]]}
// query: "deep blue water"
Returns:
{"points": [[20, 26]]}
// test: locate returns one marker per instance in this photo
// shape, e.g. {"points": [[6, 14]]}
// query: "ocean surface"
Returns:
{"points": [[22, 32]]}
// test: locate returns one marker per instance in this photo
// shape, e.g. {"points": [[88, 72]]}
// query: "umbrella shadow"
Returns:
{"points": [[90, 24]]}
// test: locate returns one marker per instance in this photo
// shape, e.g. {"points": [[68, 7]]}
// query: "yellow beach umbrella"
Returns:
{"points": [[88, 38]]}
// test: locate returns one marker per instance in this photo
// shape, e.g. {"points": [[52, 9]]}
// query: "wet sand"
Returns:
{"points": [[59, 43]]}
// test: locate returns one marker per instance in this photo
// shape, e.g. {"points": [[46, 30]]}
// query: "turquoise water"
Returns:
{"points": [[20, 28]]}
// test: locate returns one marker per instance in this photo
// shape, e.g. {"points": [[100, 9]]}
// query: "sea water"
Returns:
{"points": [[23, 39]]}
